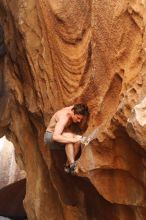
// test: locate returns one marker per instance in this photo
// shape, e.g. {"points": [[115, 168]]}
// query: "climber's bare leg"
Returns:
{"points": [[77, 147], [69, 149]]}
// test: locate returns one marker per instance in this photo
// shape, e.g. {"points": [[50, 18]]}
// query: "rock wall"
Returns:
{"points": [[61, 52]]}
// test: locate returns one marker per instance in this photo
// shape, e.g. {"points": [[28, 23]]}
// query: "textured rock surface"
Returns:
{"points": [[59, 52]]}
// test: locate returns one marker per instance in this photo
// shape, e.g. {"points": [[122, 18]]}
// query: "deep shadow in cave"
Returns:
{"points": [[11, 200]]}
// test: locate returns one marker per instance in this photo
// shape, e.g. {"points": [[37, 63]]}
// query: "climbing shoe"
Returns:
{"points": [[70, 168], [67, 169]]}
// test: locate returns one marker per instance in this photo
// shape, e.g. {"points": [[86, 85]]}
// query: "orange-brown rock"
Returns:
{"points": [[61, 52]]}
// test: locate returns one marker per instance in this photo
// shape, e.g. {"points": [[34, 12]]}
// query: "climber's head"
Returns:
{"points": [[79, 112]]}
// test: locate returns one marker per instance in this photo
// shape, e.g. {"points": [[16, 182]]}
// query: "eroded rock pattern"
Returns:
{"points": [[60, 52]]}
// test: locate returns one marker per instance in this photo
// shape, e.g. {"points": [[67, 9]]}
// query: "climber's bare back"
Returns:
{"points": [[61, 119]]}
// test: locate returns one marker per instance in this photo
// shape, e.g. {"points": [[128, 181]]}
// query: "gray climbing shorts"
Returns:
{"points": [[53, 145]]}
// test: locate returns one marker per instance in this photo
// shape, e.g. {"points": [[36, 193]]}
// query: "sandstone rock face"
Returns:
{"points": [[9, 172], [61, 52]]}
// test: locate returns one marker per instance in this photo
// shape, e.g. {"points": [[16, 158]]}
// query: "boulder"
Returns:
{"points": [[60, 53]]}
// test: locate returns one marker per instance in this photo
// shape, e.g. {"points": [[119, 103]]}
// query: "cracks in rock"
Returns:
{"points": [[136, 17]]}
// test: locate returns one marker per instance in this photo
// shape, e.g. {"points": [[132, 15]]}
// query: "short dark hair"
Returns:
{"points": [[81, 109]]}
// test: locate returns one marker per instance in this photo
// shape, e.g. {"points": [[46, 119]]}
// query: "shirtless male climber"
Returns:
{"points": [[59, 134]]}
